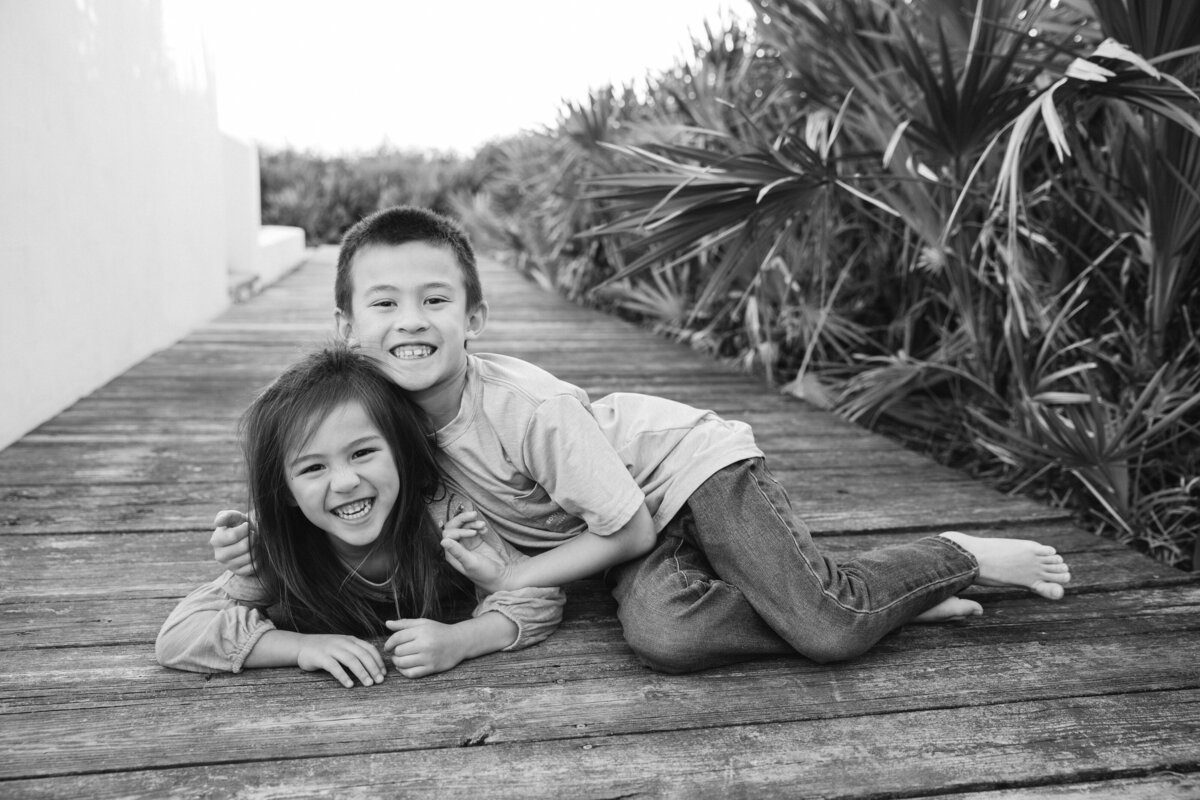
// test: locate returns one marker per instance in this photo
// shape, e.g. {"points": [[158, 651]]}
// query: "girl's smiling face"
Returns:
{"points": [[344, 479]]}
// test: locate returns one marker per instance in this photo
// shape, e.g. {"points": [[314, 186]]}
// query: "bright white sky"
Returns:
{"points": [[351, 75]]}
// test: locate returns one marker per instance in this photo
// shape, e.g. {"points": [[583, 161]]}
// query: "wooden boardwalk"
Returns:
{"points": [[105, 514]]}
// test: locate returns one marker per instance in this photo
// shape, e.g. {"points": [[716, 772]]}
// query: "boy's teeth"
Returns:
{"points": [[353, 510], [412, 351]]}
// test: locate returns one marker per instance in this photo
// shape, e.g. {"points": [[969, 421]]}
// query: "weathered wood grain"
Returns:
{"points": [[105, 514], [170, 563], [953, 748]]}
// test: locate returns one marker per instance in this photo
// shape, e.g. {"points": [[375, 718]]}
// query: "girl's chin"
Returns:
{"points": [[354, 543]]}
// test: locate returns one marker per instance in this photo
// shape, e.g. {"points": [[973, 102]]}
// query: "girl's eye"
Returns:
{"points": [[311, 468], [366, 451]]}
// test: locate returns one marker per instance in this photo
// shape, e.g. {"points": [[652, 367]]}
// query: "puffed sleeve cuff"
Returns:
{"points": [[536, 612], [210, 631]]}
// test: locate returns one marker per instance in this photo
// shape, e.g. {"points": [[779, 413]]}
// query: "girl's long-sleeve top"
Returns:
{"points": [[215, 627]]}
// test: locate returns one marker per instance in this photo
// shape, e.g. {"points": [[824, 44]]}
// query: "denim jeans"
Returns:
{"points": [[736, 575]]}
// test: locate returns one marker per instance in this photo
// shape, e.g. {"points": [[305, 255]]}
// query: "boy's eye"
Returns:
{"points": [[437, 300], [383, 304]]}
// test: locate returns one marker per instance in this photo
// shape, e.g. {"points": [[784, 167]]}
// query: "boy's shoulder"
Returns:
{"points": [[519, 379]]}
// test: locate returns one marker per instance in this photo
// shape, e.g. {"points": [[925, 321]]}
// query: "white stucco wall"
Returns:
{"points": [[243, 207], [112, 228]]}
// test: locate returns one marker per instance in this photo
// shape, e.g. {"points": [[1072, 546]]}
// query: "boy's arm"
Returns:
{"points": [[230, 542], [580, 557], [422, 647]]}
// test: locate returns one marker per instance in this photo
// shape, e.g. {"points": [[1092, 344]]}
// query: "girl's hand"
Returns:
{"points": [[335, 654], [230, 542], [468, 553], [422, 647]]}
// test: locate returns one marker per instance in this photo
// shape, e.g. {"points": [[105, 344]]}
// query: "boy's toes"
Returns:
{"points": [[1050, 591]]}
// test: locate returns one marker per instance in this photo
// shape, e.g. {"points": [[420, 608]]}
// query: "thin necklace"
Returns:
{"points": [[387, 582]]}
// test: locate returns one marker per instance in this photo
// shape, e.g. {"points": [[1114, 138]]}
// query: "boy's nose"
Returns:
{"points": [[412, 319]]}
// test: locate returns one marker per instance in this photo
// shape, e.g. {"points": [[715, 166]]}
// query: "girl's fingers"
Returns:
{"points": [[409, 663], [415, 672], [229, 519], [411, 648], [370, 659], [397, 639], [360, 669], [335, 669]]}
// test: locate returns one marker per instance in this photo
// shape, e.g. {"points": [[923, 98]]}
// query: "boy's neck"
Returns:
{"points": [[442, 401]]}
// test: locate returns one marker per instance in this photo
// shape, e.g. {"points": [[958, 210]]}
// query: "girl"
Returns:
{"points": [[345, 490]]}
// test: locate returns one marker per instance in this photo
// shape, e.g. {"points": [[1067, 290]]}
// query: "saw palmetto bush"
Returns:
{"points": [[974, 222], [326, 194]]}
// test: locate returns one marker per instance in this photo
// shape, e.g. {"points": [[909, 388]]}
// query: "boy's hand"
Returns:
{"points": [[335, 654], [230, 542], [468, 553], [422, 647]]}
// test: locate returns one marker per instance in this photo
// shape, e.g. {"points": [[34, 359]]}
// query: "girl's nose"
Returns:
{"points": [[344, 479]]}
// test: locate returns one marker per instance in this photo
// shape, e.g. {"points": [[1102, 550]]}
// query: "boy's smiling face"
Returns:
{"points": [[409, 310]]}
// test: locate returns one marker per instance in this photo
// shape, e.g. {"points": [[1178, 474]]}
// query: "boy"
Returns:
{"points": [[709, 565]]}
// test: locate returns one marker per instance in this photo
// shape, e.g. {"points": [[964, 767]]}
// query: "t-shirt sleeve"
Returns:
{"points": [[568, 454], [535, 611]]}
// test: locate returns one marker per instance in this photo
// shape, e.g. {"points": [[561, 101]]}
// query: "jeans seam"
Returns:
{"points": [[680, 575], [824, 590]]}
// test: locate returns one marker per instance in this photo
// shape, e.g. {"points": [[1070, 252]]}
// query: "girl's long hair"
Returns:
{"points": [[310, 587]]}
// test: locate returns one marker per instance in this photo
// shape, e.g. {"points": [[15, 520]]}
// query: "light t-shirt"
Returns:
{"points": [[542, 464]]}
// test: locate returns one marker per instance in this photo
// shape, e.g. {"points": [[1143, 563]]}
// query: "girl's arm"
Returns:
{"points": [[212, 631], [336, 654]]}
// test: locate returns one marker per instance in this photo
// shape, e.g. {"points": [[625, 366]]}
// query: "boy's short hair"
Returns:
{"points": [[401, 225]]}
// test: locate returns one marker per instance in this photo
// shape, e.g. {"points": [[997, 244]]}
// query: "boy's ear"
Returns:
{"points": [[477, 320], [345, 326]]}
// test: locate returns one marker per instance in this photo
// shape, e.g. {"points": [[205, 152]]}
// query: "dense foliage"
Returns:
{"points": [[325, 195], [975, 223]]}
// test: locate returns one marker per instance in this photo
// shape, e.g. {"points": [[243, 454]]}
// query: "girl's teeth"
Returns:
{"points": [[353, 510]]}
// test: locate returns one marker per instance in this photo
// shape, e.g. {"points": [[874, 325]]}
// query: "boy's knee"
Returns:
{"points": [[658, 639], [662, 655], [832, 647]]}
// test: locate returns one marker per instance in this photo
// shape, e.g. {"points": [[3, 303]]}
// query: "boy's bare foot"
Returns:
{"points": [[1016, 562], [950, 610]]}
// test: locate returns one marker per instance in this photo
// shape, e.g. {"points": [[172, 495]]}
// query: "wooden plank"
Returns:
{"points": [[423, 777], [830, 500], [43, 460], [171, 563], [1161, 786], [113, 635], [880, 754], [87, 508]]}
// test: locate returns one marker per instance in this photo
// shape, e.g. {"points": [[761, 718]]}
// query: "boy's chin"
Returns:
{"points": [[406, 377]]}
